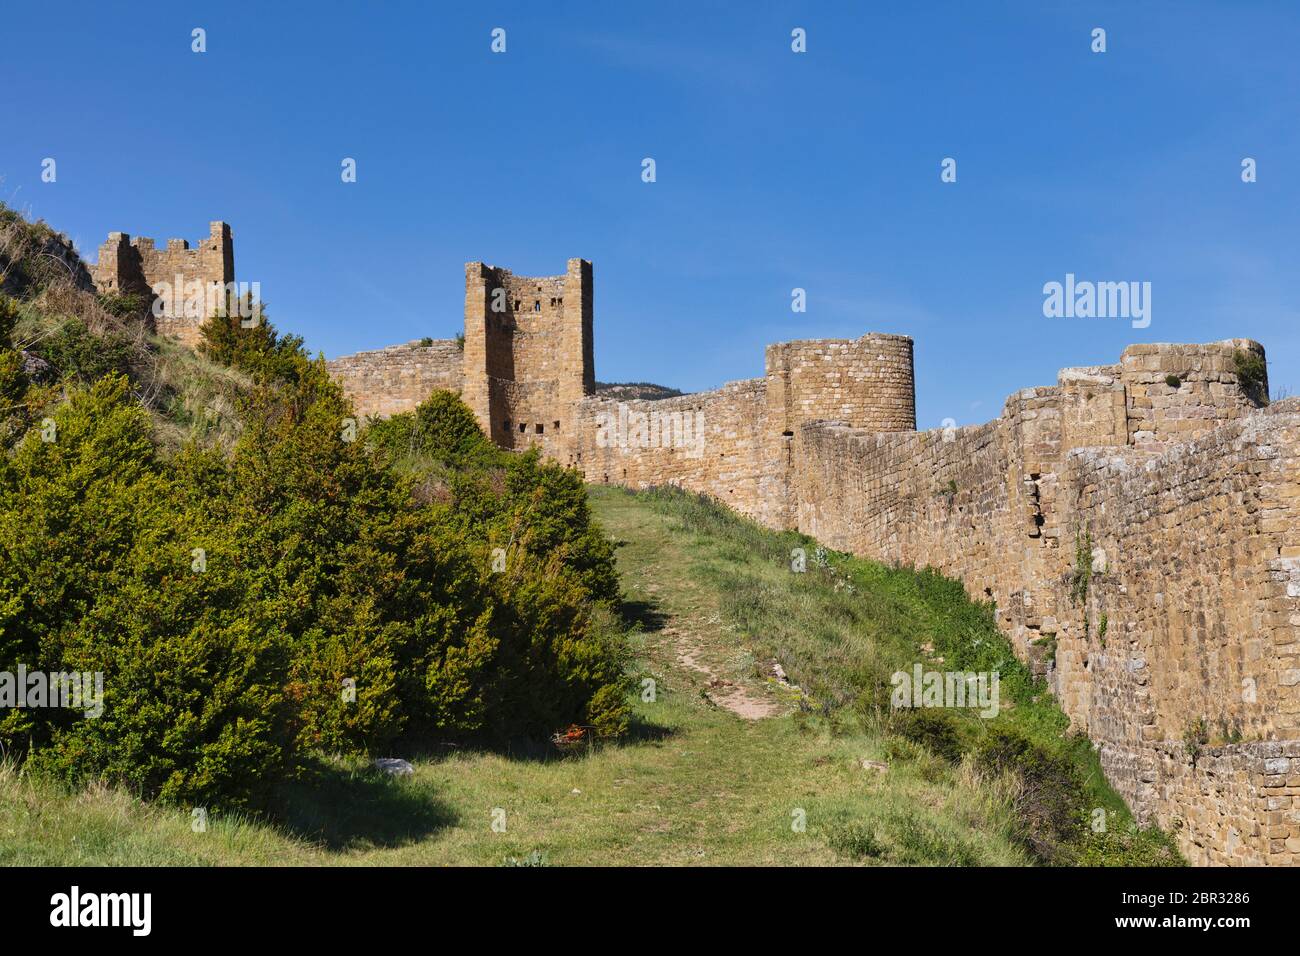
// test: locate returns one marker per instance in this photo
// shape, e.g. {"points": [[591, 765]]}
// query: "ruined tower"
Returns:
{"points": [[136, 267], [528, 357]]}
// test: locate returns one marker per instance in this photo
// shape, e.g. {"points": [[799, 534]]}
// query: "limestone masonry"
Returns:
{"points": [[1136, 526]]}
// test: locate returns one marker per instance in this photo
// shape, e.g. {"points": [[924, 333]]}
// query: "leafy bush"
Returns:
{"points": [[295, 595], [1252, 372], [95, 558], [442, 428], [1052, 799], [257, 349], [856, 841], [13, 380], [935, 730], [79, 356]]}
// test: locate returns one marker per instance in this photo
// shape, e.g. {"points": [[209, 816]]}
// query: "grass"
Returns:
{"points": [[190, 398], [712, 604]]}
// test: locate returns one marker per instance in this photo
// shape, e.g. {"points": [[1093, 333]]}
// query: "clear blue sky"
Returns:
{"points": [[775, 170]]}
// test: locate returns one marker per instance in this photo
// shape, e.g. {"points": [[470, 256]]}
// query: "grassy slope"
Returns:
{"points": [[190, 398], [694, 785]]}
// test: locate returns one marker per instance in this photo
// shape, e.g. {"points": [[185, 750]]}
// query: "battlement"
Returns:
{"points": [[137, 267]]}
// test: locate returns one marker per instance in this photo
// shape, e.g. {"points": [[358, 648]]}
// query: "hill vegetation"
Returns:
{"points": [[257, 601], [276, 593]]}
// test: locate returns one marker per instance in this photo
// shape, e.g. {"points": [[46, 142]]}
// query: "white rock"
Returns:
{"points": [[395, 766]]}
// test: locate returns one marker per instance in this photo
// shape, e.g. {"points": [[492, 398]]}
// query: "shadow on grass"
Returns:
{"points": [[643, 614], [534, 750], [340, 808]]}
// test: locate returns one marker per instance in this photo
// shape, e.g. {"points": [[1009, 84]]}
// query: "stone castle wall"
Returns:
{"points": [[737, 443], [137, 266], [1135, 525], [387, 381], [1187, 538], [710, 442]]}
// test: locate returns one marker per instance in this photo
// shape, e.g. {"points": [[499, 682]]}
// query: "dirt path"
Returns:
{"points": [[686, 634], [743, 698]]}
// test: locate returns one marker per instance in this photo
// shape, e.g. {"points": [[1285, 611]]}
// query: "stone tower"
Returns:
{"points": [[136, 266], [528, 356]]}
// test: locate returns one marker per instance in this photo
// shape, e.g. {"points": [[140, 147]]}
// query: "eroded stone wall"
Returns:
{"points": [[710, 442], [137, 266], [396, 379], [739, 443], [1158, 582]]}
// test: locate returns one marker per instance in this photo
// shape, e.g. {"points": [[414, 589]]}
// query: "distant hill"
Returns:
{"points": [[636, 390]]}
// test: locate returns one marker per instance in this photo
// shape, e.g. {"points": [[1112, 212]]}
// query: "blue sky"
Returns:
{"points": [[775, 170]]}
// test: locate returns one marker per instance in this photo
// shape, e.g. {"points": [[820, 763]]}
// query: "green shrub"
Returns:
{"points": [[1051, 799], [936, 730], [80, 356], [1252, 371], [921, 843], [13, 380], [293, 596], [257, 349], [96, 543], [127, 305], [442, 428], [1195, 736], [8, 319], [856, 841]]}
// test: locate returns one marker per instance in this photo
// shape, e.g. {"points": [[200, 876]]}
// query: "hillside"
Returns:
{"points": [[67, 336], [628, 391], [717, 767], [580, 675]]}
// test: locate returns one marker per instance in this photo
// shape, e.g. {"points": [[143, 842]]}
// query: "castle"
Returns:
{"points": [[1136, 526], [129, 266]]}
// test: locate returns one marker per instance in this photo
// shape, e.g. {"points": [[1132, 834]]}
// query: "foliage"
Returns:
{"points": [[933, 729], [13, 380], [1252, 374], [1081, 579], [81, 357], [1195, 736], [255, 348], [293, 596], [1051, 797]]}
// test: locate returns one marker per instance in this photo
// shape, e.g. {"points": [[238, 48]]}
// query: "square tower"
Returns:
{"points": [[137, 266], [529, 357]]}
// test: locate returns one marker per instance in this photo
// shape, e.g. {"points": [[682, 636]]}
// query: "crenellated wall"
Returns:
{"points": [[137, 266], [1140, 539]]}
